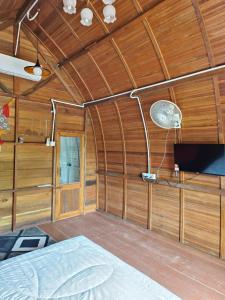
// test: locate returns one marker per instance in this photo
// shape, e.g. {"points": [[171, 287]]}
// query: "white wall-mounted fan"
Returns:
{"points": [[166, 114]]}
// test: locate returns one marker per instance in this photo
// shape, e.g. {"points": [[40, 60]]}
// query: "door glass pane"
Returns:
{"points": [[69, 159]]}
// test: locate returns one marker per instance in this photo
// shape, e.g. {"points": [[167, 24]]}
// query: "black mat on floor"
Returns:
{"points": [[22, 241]]}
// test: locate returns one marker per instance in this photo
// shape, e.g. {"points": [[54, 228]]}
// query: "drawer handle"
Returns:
{"points": [[4, 200]]}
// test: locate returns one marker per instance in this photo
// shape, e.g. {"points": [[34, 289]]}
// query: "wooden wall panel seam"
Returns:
{"points": [[105, 157], [149, 220], [96, 157], [15, 89], [124, 209], [15, 164]]}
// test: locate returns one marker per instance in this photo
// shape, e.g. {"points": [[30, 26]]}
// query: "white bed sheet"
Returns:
{"points": [[75, 269]]}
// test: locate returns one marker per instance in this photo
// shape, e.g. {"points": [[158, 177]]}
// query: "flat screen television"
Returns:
{"points": [[200, 158]]}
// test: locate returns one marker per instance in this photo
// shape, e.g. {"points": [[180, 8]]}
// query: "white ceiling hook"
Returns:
{"points": [[34, 16]]}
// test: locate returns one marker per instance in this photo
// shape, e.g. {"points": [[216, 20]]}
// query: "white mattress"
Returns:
{"points": [[75, 269]]}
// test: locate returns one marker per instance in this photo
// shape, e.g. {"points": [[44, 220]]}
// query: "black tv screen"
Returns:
{"points": [[200, 158]]}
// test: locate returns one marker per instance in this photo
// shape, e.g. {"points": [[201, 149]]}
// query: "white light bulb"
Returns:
{"points": [[69, 6], [109, 13], [86, 17], [37, 71], [106, 2]]}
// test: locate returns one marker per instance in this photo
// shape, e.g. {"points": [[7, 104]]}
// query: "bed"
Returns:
{"points": [[75, 269]]}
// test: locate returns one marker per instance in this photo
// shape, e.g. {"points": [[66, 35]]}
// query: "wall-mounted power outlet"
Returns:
{"points": [[47, 142], [50, 143], [148, 177]]}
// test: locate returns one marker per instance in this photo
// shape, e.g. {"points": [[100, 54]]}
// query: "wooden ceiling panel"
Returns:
{"points": [[35, 29], [6, 41], [89, 72], [213, 13], [179, 37], [9, 9], [146, 4], [51, 46], [58, 30], [65, 40], [47, 15], [77, 81], [138, 52], [110, 64], [87, 35]]}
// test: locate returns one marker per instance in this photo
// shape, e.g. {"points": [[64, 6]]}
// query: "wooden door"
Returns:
{"points": [[69, 175]]}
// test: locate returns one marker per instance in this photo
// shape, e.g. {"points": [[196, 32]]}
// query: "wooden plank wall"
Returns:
{"points": [[32, 163], [151, 41], [186, 209], [25, 166]]}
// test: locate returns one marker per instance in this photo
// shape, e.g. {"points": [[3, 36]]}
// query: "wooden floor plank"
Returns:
{"points": [[187, 272]]}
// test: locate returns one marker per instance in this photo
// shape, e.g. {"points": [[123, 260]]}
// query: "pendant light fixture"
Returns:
{"points": [[37, 69], [86, 16], [69, 6], [107, 2], [109, 11]]}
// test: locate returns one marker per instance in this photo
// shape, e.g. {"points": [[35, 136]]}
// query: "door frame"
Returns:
{"points": [[60, 187]]}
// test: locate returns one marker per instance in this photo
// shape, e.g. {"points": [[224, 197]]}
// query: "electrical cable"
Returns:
{"points": [[145, 128], [164, 154]]}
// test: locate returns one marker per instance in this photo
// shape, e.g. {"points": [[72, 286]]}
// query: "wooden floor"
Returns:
{"points": [[187, 272]]}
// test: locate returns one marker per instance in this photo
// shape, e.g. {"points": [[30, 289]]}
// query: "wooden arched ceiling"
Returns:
{"points": [[151, 41]]}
